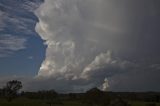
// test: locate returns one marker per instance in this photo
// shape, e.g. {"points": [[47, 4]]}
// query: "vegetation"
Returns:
{"points": [[93, 97], [11, 89]]}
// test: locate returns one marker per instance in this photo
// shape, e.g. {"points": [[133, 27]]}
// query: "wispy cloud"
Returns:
{"points": [[20, 24], [2, 17], [18, 16], [31, 6], [30, 57], [16, 23], [10, 44]]}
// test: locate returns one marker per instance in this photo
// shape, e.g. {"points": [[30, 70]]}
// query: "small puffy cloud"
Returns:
{"points": [[105, 85], [30, 57]]}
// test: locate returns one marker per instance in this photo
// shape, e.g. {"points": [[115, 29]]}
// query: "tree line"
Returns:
{"points": [[91, 97]]}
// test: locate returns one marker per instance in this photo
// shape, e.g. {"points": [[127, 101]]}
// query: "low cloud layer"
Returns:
{"points": [[90, 42]]}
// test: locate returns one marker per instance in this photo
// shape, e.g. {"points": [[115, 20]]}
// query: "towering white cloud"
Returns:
{"points": [[80, 35], [75, 32]]}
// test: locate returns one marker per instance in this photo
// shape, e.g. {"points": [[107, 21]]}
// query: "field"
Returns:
{"points": [[30, 102], [93, 97]]}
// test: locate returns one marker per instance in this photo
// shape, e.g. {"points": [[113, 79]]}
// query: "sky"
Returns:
{"points": [[75, 45]]}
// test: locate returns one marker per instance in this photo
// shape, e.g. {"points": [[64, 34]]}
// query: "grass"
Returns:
{"points": [[22, 102], [36, 102], [31, 102], [139, 103]]}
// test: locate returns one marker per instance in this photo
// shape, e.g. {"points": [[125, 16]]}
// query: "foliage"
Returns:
{"points": [[96, 96], [11, 89]]}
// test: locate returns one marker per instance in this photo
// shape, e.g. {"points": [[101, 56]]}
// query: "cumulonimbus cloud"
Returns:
{"points": [[80, 35], [77, 34]]}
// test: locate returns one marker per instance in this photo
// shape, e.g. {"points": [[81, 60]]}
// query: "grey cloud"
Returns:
{"points": [[34, 84], [106, 64], [79, 32], [72, 35], [138, 80]]}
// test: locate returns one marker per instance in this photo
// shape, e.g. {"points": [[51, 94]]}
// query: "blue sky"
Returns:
{"points": [[18, 22]]}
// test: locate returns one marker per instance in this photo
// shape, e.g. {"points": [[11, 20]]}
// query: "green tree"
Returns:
{"points": [[11, 89]]}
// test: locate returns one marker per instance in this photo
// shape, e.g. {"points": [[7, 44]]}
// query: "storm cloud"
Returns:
{"points": [[94, 42]]}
